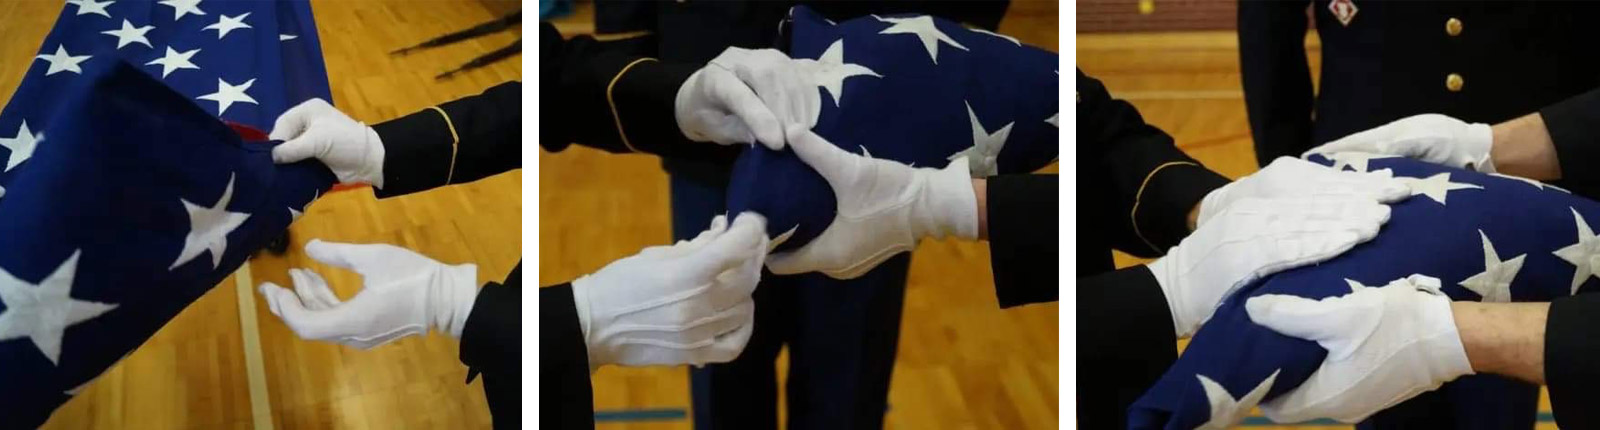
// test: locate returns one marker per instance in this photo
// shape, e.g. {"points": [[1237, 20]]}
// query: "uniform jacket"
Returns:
{"points": [[1479, 61]]}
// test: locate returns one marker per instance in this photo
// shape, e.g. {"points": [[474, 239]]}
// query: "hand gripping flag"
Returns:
{"points": [[910, 88], [135, 204], [1487, 237]]}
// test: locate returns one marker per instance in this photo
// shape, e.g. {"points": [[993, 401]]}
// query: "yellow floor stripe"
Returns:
{"points": [[260, 405]]}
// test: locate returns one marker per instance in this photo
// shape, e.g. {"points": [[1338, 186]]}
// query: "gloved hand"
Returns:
{"points": [[884, 207], [404, 293], [1254, 237], [1292, 177], [314, 129], [1431, 137], [1385, 345], [748, 96], [688, 303]]}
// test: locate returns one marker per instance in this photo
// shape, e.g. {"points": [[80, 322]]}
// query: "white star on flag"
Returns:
{"points": [[42, 312], [832, 71], [61, 61], [183, 7], [923, 28], [91, 6], [1582, 254], [1356, 160], [782, 238], [1494, 283], [227, 95], [21, 146], [128, 34], [985, 150], [175, 60], [1225, 411], [283, 37], [227, 23], [1436, 187], [209, 228], [1002, 36]]}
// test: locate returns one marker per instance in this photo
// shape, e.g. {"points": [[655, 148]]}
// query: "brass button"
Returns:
{"points": [[1454, 82], [1452, 27]]}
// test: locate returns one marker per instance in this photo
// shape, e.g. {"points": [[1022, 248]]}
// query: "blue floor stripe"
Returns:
{"points": [[635, 415]]}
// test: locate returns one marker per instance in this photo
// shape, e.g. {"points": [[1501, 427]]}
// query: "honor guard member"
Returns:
{"points": [[1554, 343], [844, 335], [1480, 61]]}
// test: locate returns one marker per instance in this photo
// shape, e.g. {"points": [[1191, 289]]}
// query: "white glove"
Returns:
{"points": [[747, 96], [687, 303], [314, 129], [404, 294], [1255, 237], [1431, 137], [1385, 345], [1292, 177], [884, 207]]}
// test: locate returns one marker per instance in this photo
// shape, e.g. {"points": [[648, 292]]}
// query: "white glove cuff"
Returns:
{"points": [[580, 301], [1450, 356], [458, 292], [1183, 325], [372, 168], [1479, 140], [948, 204], [680, 107]]}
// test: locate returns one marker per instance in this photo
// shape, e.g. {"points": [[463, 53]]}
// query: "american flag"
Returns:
{"points": [[124, 197], [911, 88], [1487, 237]]}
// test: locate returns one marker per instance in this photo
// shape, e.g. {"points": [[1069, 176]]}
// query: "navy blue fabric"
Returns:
{"points": [[916, 112], [286, 72], [1422, 236], [107, 183]]}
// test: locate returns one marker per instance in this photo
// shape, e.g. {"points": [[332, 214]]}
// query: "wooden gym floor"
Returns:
{"points": [[1188, 84], [963, 363], [193, 373]]}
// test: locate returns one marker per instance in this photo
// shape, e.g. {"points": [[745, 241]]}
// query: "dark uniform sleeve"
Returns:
{"points": [[1277, 78], [1023, 246], [1571, 343], [491, 346], [1125, 334], [1574, 126], [566, 400], [1146, 186], [612, 96], [460, 141]]}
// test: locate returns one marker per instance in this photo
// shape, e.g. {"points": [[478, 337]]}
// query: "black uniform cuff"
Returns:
{"points": [[1024, 254], [1571, 342], [566, 399], [492, 337], [1161, 212], [644, 98], [1574, 126], [416, 152]]}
